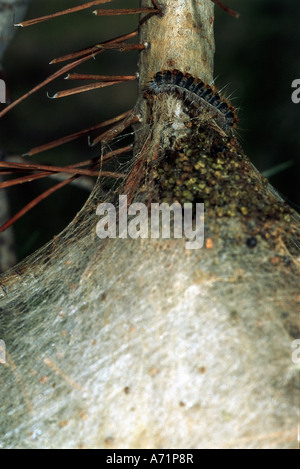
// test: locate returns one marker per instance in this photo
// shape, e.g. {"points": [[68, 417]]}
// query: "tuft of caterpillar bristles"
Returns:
{"points": [[194, 91]]}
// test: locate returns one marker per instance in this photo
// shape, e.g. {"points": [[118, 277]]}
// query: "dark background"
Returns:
{"points": [[257, 58]]}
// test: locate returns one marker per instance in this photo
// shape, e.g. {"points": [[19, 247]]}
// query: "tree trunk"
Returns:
{"points": [[142, 343]]}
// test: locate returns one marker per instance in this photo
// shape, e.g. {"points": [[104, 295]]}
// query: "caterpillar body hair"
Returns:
{"points": [[197, 95]]}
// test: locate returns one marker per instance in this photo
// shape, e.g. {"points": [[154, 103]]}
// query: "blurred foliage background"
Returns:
{"points": [[256, 60]]}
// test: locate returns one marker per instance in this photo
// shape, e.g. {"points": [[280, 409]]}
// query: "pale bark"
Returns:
{"points": [[144, 344], [183, 39]]}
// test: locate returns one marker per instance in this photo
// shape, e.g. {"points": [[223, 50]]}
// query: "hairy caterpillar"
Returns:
{"points": [[195, 94]]}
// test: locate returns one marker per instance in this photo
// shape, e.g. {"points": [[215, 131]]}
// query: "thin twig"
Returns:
{"points": [[124, 47], [61, 373], [112, 154], [44, 195], [105, 137], [35, 177], [125, 11], [82, 89], [65, 69], [233, 13], [156, 6], [94, 161], [23, 179], [83, 76], [69, 138], [52, 77], [34, 202], [84, 182], [41, 167], [50, 168], [94, 48], [63, 12]]}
